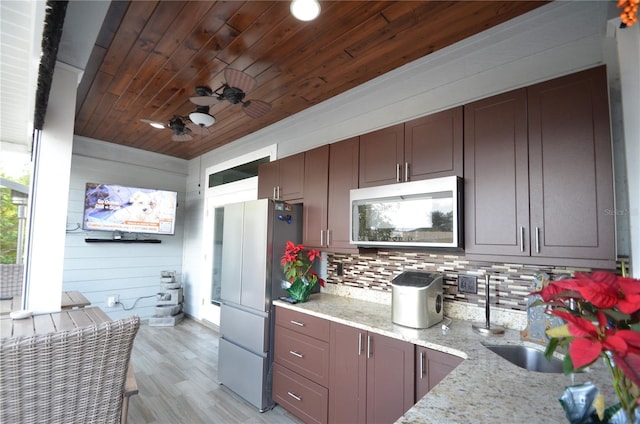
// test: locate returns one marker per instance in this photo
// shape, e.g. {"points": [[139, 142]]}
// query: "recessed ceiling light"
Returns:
{"points": [[305, 10]]}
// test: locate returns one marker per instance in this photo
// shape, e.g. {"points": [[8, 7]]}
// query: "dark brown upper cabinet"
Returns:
{"points": [[331, 171], [282, 179], [538, 173], [427, 147]]}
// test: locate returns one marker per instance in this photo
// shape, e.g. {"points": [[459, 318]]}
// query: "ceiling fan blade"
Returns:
{"points": [[239, 79], [181, 137], [256, 108], [204, 100], [154, 124], [197, 129]]}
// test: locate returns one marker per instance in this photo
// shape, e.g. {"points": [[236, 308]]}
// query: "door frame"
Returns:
{"points": [[238, 191]]}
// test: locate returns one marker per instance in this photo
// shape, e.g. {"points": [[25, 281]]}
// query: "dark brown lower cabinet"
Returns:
{"points": [[299, 395], [301, 365], [371, 377], [431, 367]]}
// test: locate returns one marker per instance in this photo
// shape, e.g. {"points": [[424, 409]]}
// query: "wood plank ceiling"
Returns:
{"points": [[150, 56]]}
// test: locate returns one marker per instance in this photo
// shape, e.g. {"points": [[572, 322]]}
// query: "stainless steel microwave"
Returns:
{"points": [[425, 213]]}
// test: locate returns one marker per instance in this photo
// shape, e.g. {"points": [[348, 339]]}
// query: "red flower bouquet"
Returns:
{"points": [[301, 279], [602, 314]]}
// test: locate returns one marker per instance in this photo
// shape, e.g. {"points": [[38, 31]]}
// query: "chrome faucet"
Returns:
{"points": [[487, 328]]}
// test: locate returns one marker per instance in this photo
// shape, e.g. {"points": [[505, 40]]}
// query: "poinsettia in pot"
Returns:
{"points": [[301, 279], [602, 315]]}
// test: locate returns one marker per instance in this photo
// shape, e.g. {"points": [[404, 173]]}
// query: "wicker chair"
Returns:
{"points": [[74, 376]]}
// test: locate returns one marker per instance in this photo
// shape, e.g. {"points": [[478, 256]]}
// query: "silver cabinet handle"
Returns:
{"points": [[398, 173], [278, 191], [422, 367], [274, 193], [359, 344], [299, 324], [294, 396], [296, 354], [406, 171], [369, 353], [328, 238], [537, 239], [522, 239], [321, 238]]}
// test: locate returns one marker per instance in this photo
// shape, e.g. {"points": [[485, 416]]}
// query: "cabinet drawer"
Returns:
{"points": [[305, 355], [300, 396], [303, 323]]}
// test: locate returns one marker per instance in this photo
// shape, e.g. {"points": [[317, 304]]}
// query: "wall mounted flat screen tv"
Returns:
{"points": [[110, 207]]}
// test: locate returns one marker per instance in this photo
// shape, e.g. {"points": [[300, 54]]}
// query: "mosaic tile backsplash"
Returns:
{"points": [[510, 283]]}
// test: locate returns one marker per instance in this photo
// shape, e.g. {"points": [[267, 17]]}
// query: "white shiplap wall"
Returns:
{"points": [[131, 271]]}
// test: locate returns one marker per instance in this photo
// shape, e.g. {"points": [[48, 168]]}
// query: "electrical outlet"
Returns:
{"points": [[467, 284], [112, 301]]}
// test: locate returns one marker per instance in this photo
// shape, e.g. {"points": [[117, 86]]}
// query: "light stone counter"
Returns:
{"points": [[484, 388]]}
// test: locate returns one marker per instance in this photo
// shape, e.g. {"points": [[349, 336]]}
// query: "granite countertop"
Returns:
{"points": [[483, 388]]}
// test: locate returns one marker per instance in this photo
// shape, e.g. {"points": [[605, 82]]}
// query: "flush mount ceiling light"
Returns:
{"points": [[305, 10]]}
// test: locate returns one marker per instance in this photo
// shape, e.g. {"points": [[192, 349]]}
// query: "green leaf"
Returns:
{"points": [[551, 347], [567, 365]]}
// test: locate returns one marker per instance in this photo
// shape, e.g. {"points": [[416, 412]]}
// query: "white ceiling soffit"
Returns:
{"points": [[21, 24]]}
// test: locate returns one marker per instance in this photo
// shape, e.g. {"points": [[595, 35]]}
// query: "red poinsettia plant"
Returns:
{"points": [[602, 314], [296, 263]]}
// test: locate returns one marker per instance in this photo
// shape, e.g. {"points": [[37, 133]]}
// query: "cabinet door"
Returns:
{"points": [[343, 176], [316, 186], [347, 375], [433, 146], [571, 171], [381, 156], [267, 180], [496, 175], [282, 179], [390, 378], [291, 178], [431, 368]]}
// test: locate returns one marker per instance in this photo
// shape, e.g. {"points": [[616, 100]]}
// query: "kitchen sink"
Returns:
{"points": [[527, 357]]}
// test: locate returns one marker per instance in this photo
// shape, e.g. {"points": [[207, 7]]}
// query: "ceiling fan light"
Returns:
{"points": [[305, 10], [157, 125], [202, 119]]}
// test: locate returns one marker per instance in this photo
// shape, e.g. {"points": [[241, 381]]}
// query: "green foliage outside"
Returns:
{"points": [[9, 222]]}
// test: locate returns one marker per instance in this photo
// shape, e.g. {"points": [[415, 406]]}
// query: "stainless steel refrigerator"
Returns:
{"points": [[254, 237]]}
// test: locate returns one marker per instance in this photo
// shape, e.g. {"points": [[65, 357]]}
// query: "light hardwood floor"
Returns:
{"points": [[176, 369]]}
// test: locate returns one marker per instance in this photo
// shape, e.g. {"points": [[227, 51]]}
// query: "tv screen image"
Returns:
{"points": [[110, 207]]}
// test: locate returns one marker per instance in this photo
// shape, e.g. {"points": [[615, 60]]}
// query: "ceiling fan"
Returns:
{"points": [[234, 90], [181, 132]]}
